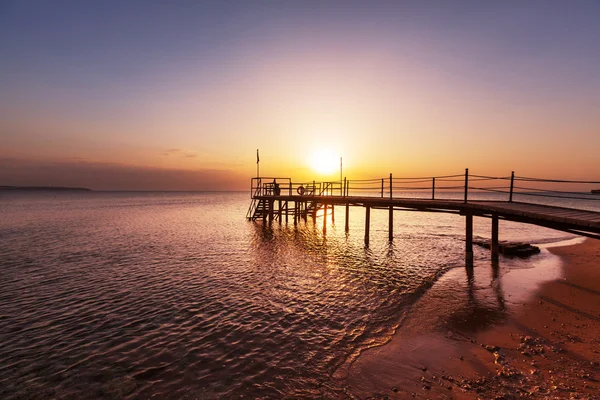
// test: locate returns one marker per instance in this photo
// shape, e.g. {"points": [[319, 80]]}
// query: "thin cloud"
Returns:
{"points": [[180, 153]]}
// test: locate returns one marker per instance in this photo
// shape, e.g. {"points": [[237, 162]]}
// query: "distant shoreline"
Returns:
{"points": [[47, 188]]}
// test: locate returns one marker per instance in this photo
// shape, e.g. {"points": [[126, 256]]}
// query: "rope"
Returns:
{"points": [[489, 190], [555, 197], [552, 191], [523, 178], [367, 180], [431, 177], [417, 181], [489, 177], [490, 187]]}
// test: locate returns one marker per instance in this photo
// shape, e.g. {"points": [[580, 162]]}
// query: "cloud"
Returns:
{"points": [[115, 176], [180, 153]]}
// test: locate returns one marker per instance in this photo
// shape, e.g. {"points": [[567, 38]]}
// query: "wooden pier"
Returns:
{"points": [[280, 198]]}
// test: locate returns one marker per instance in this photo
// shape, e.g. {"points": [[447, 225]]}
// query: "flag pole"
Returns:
{"points": [[257, 164], [341, 180]]}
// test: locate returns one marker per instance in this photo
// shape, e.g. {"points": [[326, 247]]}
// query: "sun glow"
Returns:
{"points": [[324, 161]]}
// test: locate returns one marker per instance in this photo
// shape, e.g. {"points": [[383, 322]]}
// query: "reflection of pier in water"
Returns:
{"points": [[281, 198]]}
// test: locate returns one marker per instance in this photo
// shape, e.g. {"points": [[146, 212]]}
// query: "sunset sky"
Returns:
{"points": [[178, 95]]}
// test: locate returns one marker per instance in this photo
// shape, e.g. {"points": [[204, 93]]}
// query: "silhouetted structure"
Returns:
{"points": [[276, 198]]}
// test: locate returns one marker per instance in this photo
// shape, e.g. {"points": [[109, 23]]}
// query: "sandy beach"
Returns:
{"points": [[493, 334]]}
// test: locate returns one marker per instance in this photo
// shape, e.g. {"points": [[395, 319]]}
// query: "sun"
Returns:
{"points": [[324, 161]]}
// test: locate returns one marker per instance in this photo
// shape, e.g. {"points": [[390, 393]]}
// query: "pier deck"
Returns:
{"points": [[276, 198]]}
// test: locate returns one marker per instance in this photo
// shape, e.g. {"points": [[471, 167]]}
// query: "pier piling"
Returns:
{"points": [[391, 224], [347, 228], [494, 243], [367, 224], [469, 239]]}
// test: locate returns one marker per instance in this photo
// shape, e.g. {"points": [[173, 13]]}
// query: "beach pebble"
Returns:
{"points": [[491, 348]]}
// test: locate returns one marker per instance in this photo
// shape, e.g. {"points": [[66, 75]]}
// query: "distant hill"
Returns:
{"points": [[49, 188]]}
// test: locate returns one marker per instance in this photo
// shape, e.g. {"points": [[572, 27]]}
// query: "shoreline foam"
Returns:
{"points": [[485, 340]]}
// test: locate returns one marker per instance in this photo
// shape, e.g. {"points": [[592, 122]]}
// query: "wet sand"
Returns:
{"points": [[493, 333]]}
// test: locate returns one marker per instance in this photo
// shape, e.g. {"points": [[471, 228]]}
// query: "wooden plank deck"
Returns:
{"points": [[562, 218]]}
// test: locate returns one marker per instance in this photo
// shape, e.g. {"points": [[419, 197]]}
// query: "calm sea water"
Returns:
{"points": [[176, 295]]}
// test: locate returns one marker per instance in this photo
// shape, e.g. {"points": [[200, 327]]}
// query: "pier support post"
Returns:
{"points": [[469, 239], [279, 210], [494, 243], [367, 225], [391, 224], [325, 217], [347, 217], [332, 214], [296, 212], [265, 211], [271, 205]]}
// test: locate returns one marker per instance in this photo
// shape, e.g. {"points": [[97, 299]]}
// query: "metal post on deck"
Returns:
{"points": [[494, 243], [381, 187], [391, 185], [433, 188], [512, 181], [341, 174], [367, 225], [469, 239], [466, 183]]}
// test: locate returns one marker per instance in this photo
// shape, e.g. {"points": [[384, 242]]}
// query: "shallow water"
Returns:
{"points": [[176, 294]]}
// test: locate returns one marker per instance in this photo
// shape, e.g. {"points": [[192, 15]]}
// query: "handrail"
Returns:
{"points": [[402, 186], [522, 178]]}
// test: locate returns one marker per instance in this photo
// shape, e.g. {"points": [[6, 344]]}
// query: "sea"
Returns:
{"points": [[177, 295]]}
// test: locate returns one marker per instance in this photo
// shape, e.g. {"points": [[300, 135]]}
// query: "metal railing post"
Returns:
{"points": [[345, 183], [382, 187], [512, 181], [433, 188], [391, 185], [466, 183]]}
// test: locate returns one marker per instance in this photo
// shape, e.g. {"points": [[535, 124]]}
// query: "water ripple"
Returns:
{"points": [[175, 295]]}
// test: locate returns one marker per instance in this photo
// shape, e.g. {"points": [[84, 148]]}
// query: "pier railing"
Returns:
{"points": [[461, 187]]}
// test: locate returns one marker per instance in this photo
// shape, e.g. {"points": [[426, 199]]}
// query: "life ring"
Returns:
{"points": [[300, 190]]}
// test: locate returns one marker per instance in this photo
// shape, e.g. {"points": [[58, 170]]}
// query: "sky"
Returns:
{"points": [[178, 95]]}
